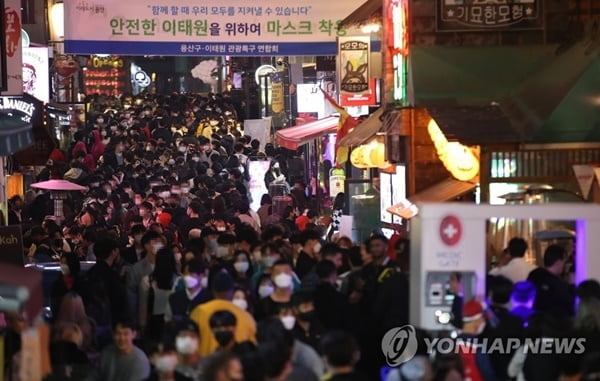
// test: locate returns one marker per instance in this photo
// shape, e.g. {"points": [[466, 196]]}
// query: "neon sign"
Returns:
{"points": [[398, 12]]}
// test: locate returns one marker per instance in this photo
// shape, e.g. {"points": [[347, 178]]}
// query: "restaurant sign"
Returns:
{"points": [[470, 15]]}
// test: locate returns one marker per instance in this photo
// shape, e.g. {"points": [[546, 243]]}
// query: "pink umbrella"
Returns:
{"points": [[59, 190], [58, 185]]}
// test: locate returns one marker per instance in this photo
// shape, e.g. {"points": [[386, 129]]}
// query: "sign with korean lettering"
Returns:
{"points": [[209, 28], [277, 93], [354, 64], [14, 47], [469, 15]]}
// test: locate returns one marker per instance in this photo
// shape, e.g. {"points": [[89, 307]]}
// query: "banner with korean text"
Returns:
{"points": [[185, 27]]}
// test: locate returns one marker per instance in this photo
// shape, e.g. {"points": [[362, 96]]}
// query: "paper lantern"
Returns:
{"points": [[357, 157], [460, 160]]}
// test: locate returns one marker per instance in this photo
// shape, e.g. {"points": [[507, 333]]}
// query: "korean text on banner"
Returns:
{"points": [[14, 47], [184, 27], [354, 64]]}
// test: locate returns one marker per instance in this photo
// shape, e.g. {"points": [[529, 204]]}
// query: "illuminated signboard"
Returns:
{"points": [[398, 12]]}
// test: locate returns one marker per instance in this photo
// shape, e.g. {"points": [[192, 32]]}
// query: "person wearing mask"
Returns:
{"points": [[288, 219], [307, 257], [517, 269], [477, 364], [341, 353], [243, 269], [269, 254], [155, 290], [70, 280], [183, 302], [308, 328], [282, 279], [223, 287], [147, 214], [104, 285], [164, 362], [210, 236], [135, 252], [189, 366], [554, 296], [122, 361], [153, 243], [331, 306], [223, 326]]}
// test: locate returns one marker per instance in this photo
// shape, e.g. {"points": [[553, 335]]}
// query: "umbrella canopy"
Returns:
{"points": [[58, 185]]}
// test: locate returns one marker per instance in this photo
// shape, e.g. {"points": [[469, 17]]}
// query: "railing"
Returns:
{"points": [[539, 163]]}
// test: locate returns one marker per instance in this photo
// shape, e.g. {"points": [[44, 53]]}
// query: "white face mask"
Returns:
{"points": [[288, 322], [182, 149], [186, 345], [317, 247], [222, 252], [283, 280], [241, 303], [241, 267], [166, 363], [265, 290], [269, 261], [64, 268], [190, 281], [204, 282], [157, 246]]}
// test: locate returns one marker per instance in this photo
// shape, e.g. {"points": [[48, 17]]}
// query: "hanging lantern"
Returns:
{"points": [[461, 161], [357, 157]]}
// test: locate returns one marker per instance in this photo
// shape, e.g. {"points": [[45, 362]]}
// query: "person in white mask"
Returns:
{"points": [[186, 344], [196, 292], [243, 268], [152, 243], [283, 280], [240, 299], [164, 365]]}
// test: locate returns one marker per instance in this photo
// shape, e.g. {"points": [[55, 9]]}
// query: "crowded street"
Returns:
{"points": [[352, 190]]}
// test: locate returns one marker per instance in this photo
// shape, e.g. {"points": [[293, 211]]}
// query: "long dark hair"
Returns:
{"points": [[165, 269], [339, 201]]}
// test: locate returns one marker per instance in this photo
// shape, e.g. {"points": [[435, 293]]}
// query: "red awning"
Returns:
{"points": [[293, 137]]}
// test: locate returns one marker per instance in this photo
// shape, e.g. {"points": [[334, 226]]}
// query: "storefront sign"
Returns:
{"points": [[469, 15], [210, 28], [11, 245], [35, 73], [17, 114], [277, 93], [14, 47], [106, 76], [354, 64], [368, 98], [41, 143]]}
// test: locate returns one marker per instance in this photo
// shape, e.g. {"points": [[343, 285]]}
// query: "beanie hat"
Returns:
{"points": [[472, 310]]}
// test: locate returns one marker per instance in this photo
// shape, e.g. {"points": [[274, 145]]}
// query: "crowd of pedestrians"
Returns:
{"points": [[168, 274]]}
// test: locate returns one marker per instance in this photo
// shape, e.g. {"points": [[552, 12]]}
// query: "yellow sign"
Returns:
{"points": [[277, 97]]}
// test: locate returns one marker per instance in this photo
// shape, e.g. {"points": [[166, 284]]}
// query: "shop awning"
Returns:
{"points": [[364, 131], [294, 137], [370, 11], [446, 190], [490, 95]]}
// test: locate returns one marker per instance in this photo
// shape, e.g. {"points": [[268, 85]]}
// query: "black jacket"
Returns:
{"points": [[182, 306], [304, 265], [104, 283], [332, 308], [554, 295]]}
